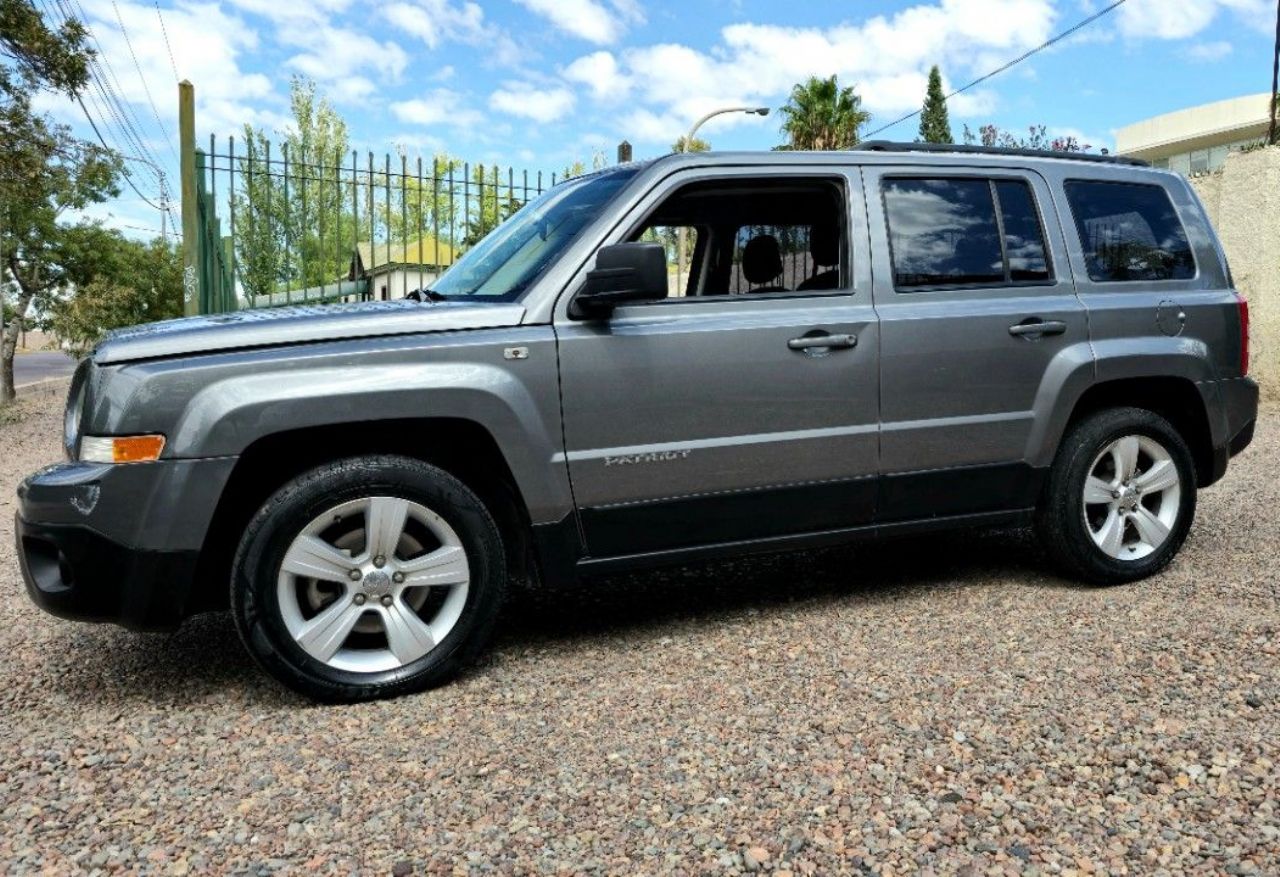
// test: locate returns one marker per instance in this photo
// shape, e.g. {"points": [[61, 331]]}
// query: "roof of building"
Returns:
{"points": [[379, 256], [1213, 124]]}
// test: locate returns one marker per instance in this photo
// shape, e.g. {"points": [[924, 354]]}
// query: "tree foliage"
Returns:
{"points": [[131, 283], [935, 123], [1037, 137], [45, 172], [294, 226], [684, 144], [821, 115]]}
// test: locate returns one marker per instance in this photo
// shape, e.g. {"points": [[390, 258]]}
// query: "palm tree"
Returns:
{"points": [[821, 115]]}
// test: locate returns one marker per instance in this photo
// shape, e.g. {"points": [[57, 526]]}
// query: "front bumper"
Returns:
{"points": [[75, 573], [119, 544]]}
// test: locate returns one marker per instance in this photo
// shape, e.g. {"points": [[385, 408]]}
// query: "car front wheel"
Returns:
{"points": [[368, 577]]}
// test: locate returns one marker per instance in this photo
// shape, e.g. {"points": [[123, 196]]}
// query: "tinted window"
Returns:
{"points": [[1023, 234], [943, 232], [1130, 232]]}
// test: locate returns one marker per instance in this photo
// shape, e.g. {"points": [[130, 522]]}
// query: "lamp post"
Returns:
{"points": [[684, 147]]}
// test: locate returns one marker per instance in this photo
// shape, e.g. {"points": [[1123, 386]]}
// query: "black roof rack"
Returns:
{"points": [[890, 146]]}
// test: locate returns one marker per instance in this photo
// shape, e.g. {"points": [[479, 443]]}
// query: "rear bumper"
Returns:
{"points": [[1237, 403], [73, 572]]}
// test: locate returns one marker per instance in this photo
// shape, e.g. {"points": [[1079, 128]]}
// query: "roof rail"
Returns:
{"points": [[890, 146]]}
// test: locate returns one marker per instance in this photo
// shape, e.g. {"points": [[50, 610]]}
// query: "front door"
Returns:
{"points": [[744, 406], [976, 305]]}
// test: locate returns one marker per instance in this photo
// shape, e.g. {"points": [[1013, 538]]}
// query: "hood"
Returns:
{"points": [[301, 323]]}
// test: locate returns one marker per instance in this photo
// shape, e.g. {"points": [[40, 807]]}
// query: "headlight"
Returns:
{"points": [[121, 448], [71, 419]]}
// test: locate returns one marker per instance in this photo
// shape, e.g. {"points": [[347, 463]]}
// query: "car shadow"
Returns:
{"points": [[205, 661], [891, 569]]}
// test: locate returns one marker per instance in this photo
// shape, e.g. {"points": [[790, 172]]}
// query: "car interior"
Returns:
{"points": [[747, 236]]}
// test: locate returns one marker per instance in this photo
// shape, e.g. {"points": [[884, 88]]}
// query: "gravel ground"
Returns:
{"points": [[938, 705]]}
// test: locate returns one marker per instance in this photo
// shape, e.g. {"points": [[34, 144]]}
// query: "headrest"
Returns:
{"points": [[761, 259], [824, 245]]}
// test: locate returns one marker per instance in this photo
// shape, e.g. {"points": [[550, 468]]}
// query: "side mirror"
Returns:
{"points": [[623, 273]]}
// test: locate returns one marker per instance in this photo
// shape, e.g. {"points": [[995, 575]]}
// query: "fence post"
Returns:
{"points": [[190, 225]]}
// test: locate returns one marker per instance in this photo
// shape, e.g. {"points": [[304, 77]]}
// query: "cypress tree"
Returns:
{"points": [[935, 125]]}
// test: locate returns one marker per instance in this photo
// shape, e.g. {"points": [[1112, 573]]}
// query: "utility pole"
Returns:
{"points": [[190, 240], [1275, 83]]}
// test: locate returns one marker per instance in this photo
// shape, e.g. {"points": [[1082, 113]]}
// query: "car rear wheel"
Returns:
{"points": [[368, 578], [1121, 497]]}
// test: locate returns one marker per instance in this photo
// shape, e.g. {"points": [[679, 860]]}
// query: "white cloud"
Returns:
{"points": [[541, 105], [590, 20], [439, 107], [337, 53], [886, 57], [1179, 19], [600, 73], [1214, 51], [210, 48], [292, 12], [434, 21]]}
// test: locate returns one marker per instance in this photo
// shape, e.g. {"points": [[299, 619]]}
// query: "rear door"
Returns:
{"points": [[719, 415], [976, 304]]}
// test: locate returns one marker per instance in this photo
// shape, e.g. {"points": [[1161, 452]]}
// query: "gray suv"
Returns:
{"points": [[858, 345]]}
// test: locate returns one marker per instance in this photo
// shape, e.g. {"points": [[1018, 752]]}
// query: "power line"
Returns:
{"points": [[146, 88], [165, 31], [127, 177], [109, 99], [1016, 61]]}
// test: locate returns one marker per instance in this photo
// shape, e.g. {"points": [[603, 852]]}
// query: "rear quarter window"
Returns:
{"points": [[1129, 232]]}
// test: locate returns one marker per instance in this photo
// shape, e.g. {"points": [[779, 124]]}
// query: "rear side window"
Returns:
{"points": [[958, 231], [1130, 232]]}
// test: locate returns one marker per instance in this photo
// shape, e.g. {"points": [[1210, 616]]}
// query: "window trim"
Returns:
{"points": [[841, 184], [1084, 252], [991, 180]]}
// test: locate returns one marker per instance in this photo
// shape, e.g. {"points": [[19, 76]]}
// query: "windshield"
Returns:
{"points": [[503, 265]]}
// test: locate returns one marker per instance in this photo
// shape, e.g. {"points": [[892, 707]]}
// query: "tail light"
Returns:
{"points": [[1243, 306]]}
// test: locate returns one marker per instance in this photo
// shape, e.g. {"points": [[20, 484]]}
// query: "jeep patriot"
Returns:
{"points": [[864, 344]]}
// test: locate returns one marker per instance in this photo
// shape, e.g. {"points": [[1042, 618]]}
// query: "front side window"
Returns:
{"points": [[961, 231], [753, 236], [1130, 232]]}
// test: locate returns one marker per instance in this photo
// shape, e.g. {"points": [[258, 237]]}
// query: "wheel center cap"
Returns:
{"points": [[376, 584]]}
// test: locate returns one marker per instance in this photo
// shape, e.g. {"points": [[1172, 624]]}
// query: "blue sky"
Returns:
{"points": [[539, 83]]}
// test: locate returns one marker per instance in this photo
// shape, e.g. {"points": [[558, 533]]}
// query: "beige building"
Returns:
{"points": [[1197, 140]]}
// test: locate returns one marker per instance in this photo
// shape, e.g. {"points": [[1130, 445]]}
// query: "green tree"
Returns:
{"points": [[294, 228], [45, 171], [684, 144], [935, 124], [1037, 137], [493, 202], [131, 283], [822, 115]]}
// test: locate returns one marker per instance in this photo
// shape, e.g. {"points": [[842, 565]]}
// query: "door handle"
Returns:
{"points": [[830, 342], [1034, 326]]}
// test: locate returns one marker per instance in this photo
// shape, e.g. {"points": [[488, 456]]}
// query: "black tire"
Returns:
{"points": [[256, 606], [1060, 516]]}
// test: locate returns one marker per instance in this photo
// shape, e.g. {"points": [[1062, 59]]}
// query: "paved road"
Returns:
{"points": [[31, 367]]}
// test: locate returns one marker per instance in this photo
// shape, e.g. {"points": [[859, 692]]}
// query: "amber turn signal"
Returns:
{"points": [[121, 448]]}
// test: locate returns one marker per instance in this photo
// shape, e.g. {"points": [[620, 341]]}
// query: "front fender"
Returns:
{"points": [[218, 406]]}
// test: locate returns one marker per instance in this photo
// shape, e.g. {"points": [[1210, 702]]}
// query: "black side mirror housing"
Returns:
{"points": [[623, 273]]}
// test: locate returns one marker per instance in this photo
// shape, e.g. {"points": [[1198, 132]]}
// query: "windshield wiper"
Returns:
{"points": [[425, 295]]}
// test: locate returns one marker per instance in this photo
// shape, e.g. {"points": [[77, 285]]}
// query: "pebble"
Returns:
{"points": [[793, 715]]}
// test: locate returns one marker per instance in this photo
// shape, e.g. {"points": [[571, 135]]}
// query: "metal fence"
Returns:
{"points": [[278, 229]]}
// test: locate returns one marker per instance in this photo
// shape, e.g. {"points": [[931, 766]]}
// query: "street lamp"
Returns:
{"points": [[684, 147]]}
